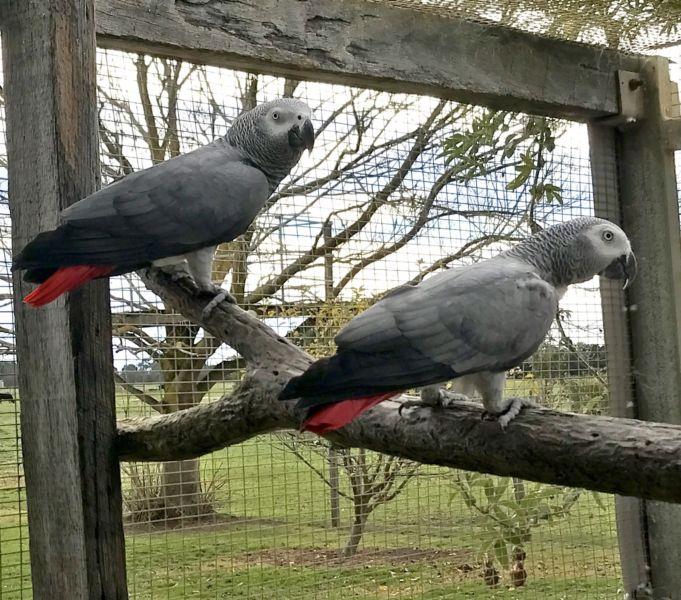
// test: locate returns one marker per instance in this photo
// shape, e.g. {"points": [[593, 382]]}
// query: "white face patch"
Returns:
{"points": [[609, 241], [283, 115]]}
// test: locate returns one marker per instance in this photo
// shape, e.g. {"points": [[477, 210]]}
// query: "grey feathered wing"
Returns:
{"points": [[485, 317], [198, 199]]}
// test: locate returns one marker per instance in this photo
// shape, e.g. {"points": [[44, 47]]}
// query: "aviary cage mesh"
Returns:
{"points": [[399, 186]]}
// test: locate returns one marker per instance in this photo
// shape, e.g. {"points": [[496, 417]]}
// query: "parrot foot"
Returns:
{"points": [[512, 410], [178, 275], [432, 398], [220, 295]]}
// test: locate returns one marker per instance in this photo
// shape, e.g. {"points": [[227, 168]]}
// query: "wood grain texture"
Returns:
{"points": [[614, 455], [650, 215], [373, 44], [632, 535], [64, 351]]}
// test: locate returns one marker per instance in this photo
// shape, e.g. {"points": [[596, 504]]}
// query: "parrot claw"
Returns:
{"points": [[412, 404], [436, 399], [220, 296], [178, 275], [448, 399], [512, 410]]}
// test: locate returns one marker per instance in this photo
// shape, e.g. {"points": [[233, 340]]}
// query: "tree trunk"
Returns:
{"points": [[180, 489], [334, 487], [181, 492], [613, 455], [357, 530]]}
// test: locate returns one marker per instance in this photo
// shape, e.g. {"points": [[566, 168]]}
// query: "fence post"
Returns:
{"points": [[334, 480], [648, 201], [64, 350], [630, 512]]}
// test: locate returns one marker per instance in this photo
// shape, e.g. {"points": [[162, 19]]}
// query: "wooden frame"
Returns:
{"points": [[377, 45], [76, 537]]}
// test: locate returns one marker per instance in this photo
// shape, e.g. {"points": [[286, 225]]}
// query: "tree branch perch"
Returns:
{"points": [[622, 456]]}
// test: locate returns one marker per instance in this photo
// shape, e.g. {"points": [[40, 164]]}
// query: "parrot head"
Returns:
{"points": [[576, 250], [285, 126], [611, 251], [286, 123], [274, 135]]}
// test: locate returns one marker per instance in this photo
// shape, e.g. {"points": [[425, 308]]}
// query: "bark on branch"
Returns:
{"points": [[622, 456]]}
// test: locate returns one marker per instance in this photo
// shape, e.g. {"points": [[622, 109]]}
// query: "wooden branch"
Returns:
{"points": [[256, 342], [139, 394], [354, 42], [248, 411], [621, 456]]}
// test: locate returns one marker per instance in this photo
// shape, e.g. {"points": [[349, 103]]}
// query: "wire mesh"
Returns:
{"points": [[376, 204], [257, 520], [619, 24], [14, 560]]}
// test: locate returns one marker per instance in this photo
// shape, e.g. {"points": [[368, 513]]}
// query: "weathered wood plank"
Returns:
{"points": [[672, 133], [64, 350], [630, 512], [370, 44], [650, 215]]}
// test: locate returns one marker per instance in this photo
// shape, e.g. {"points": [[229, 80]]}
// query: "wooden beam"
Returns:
{"points": [[650, 215], [672, 133], [630, 512], [64, 350], [376, 45]]}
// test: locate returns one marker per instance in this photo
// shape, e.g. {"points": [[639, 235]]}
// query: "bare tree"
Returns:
{"points": [[372, 480]]}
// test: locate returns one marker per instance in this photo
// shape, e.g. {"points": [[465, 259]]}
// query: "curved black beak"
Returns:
{"points": [[624, 267], [302, 137]]}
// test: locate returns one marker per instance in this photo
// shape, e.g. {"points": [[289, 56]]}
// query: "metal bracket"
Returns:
{"points": [[631, 100]]}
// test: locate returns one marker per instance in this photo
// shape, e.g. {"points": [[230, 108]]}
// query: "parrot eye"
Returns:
{"points": [[300, 117], [275, 115], [608, 235]]}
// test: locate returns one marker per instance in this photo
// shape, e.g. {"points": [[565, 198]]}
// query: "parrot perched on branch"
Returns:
{"points": [[174, 213], [475, 321]]}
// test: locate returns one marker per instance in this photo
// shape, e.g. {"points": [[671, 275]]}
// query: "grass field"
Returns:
{"points": [[272, 539]]}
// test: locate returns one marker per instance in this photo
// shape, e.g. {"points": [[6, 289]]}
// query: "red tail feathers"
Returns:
{"points": [[64, 280], [335, 416]]}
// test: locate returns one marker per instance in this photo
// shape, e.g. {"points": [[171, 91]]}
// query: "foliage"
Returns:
{"points": [[553, 361], [587, 395], [506, 511], [497, 141], [316, 333], [144, 500], [617, 23]]}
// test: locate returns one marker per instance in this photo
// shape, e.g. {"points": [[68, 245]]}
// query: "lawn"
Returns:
{"points": [[272, 539]]}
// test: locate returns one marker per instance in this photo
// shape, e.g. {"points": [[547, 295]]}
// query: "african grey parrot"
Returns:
{"points": [[173, 212], [475, 321]]}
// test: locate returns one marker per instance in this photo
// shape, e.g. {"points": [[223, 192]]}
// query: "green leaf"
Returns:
{"points": [[501, 553], [519, 179]]}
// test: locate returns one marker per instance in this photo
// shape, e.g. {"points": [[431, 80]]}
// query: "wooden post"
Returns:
{"points": [[334, 481], [650, 216], [64, 350], [630, 512]]}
